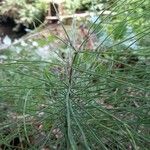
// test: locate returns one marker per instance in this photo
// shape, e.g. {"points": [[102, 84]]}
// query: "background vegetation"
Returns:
{"points": [[28, 13]]}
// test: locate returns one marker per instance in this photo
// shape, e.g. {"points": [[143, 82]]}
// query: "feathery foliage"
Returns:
{"points": [[88, 99]]}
